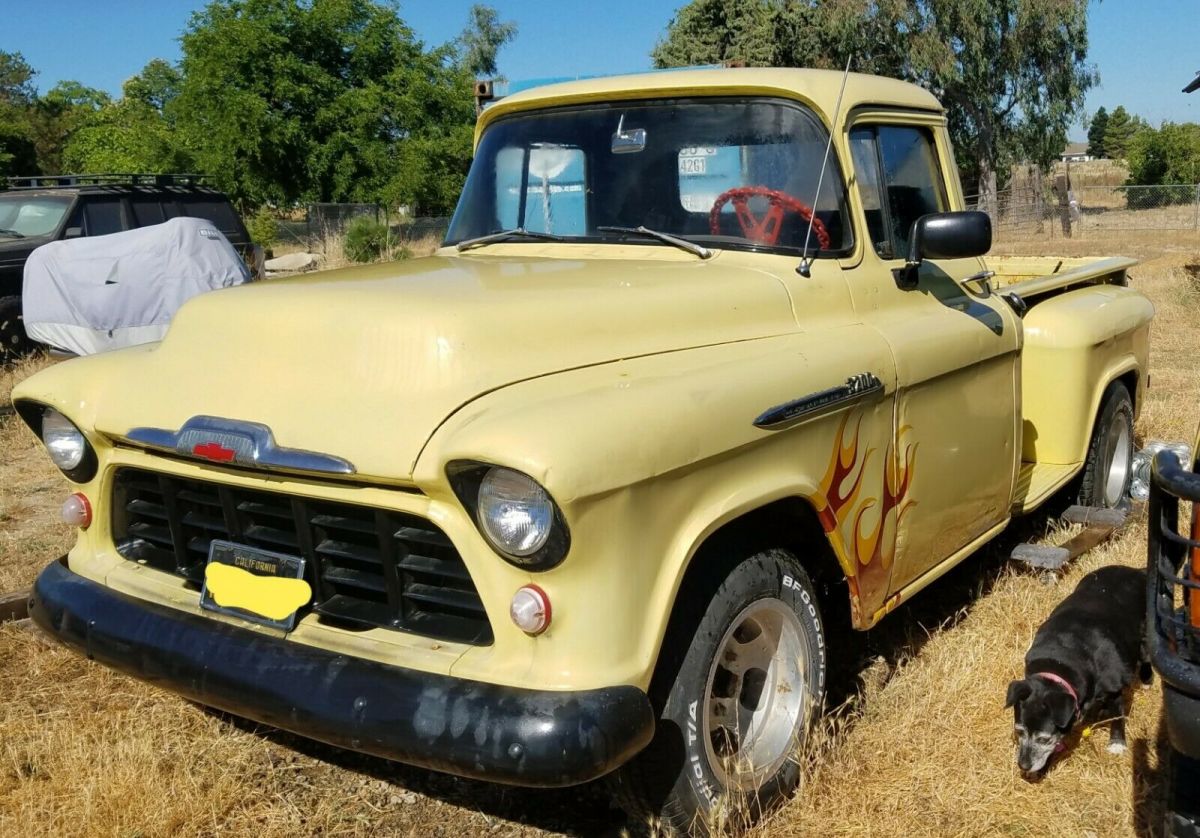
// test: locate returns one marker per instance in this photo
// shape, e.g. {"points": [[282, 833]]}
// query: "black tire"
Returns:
{"points": [[1183, 804], [680, 782], [13, 341], [1106, 455]]}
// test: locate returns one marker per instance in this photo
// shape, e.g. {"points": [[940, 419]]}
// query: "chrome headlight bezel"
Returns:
{"points": [[469, 479], [80, 469]]}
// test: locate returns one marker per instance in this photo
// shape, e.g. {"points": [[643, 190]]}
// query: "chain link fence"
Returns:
{"points": [[1090, 211]]}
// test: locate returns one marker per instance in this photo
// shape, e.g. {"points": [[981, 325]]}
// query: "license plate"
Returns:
{"points": [[257, 585]]}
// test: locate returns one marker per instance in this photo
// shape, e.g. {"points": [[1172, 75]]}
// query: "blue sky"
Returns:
{"points": [[1145, 50]]}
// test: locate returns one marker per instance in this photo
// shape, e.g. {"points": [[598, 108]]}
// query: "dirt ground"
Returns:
{"points": [[918, 743]]}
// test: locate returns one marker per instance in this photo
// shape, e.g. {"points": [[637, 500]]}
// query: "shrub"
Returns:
{"points": [[366, 239], [263, 227]]}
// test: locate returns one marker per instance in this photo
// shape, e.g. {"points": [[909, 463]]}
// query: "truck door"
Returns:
{"points": [[955, 448]]}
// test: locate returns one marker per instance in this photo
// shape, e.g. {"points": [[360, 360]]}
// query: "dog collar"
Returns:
{"points": [[1062, 682]]}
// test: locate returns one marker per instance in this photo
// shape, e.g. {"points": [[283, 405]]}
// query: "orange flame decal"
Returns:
{"points": [[834, 500], [842, 512]]}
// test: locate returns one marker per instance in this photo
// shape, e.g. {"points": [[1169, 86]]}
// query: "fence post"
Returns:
{"points": [[1064, 204]]}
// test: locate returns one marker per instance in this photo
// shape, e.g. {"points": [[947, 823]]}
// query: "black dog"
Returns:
{"points": [[1081, 665]]}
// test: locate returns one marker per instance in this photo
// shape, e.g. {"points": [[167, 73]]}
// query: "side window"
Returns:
{"points": [[214, 210], [865, 155], [554, 200], [904, 182], [147, 211], [102, 216]]}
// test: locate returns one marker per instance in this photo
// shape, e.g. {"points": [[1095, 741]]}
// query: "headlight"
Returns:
{"points": [[515, 514], [64, 442]]}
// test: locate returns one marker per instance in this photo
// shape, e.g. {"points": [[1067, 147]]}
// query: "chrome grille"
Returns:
{"points": [[368, 567]]}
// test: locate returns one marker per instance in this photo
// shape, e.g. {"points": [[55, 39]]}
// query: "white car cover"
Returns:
{"points": [[90, 295]]}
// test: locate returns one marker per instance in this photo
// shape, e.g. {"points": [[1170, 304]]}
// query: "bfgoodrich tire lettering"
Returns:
{"points": [[751, 674]]}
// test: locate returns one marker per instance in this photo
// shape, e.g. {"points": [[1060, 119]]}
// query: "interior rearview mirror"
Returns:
{"points": [[944, 235], [628, 142]]}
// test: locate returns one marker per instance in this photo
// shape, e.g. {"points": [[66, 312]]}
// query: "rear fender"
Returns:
{"points": [[1076, 345]]}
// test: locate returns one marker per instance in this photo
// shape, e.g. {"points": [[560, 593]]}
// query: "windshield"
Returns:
{"points": [[732, 174], [31, 215]]}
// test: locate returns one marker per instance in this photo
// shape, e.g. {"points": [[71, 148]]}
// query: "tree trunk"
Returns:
{"points": [[987, 191]]}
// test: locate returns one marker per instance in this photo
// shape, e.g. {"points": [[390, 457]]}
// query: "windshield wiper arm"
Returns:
{"points": [[505, 235], [13, 233], [667, 238]]}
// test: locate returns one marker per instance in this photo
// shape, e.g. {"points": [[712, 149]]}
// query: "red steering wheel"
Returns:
{"points": [[763, 230]]}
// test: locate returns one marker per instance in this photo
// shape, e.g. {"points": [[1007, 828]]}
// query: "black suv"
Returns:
{"points": [[36, 210], [1173, 630]]}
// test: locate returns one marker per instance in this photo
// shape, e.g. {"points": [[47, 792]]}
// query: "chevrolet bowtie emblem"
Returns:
{"points": [[214, 451]]}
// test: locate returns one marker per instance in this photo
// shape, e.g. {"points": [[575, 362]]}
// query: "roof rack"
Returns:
{"points": [[74, 181]]}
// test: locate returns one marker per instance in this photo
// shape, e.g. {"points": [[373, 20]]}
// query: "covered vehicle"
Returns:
{"points": [[90, 295]]}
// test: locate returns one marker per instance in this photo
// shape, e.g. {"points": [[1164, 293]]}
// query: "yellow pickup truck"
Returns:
{"points": [[707, 358]]}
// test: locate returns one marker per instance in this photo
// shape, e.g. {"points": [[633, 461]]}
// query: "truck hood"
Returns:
{"points": [[366, 363]]}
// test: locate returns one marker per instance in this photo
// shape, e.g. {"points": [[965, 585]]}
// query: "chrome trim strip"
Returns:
{"points": [[856, 388], [234, 442]]}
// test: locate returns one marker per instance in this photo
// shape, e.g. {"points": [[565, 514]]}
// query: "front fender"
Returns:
{"points": [[646, 459]]}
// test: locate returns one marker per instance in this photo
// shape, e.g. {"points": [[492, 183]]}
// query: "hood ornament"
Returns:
{"points": [[234, 442]]}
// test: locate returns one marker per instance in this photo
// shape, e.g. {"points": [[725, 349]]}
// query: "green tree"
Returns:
{"points": [[481, 40], [124, 136], [57, 115], [18, 152], [1096, 131], [1011, 73], [1119, 132], [1169, 155], [322, 100], [156, 86], [716, 31], [133, 134]]}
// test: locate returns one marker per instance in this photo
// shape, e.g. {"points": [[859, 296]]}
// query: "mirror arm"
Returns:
{"points": [[907, 277]]}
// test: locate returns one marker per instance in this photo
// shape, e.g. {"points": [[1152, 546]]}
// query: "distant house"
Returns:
{"points": [[1195, 85], [1076, 153]]}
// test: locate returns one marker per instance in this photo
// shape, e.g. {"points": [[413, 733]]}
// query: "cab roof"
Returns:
{"points": [[818, 87]]}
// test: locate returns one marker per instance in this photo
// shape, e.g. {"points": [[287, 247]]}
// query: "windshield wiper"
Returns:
{"points": [[505, 235], [13, 233], [667, 238]]}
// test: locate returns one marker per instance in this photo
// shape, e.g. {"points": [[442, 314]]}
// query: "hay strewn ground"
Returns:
{"points": [[921, 747]]}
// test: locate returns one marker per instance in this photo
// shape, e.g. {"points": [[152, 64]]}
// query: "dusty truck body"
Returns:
{"points": [[576, 499]]}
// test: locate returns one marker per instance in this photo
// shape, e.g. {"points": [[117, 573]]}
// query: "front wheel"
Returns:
{"points": [[749, 680], [13, 341], [1107, 468]]}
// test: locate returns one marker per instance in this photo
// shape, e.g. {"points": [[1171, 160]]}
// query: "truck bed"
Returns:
{"points": [[1030, 277]]}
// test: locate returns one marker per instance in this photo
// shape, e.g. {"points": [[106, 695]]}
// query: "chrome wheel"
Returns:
{"points": [[1117, 461], [755, 699]]}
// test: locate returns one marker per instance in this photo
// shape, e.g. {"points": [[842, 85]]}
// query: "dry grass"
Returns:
{"points": [[920, 745], [333, 253]]}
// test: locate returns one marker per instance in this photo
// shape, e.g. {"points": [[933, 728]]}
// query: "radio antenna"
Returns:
{"points": [[805, 266]]}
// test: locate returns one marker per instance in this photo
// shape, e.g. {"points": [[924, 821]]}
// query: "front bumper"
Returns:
{"points": [[1172, 641], [485, 731]]}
